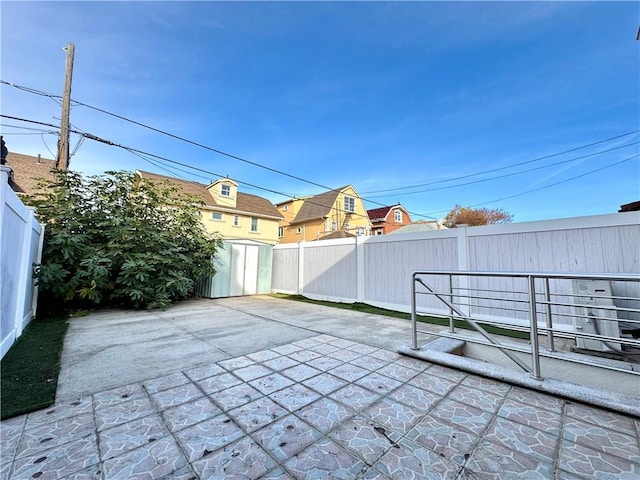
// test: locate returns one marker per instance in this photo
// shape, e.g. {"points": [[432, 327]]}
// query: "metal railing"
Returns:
{"points": [[599, 312]]}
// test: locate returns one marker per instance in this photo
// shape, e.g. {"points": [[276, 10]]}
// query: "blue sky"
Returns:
{"points": [[382, 96]]}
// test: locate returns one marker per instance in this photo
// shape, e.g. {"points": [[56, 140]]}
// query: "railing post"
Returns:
{"points": [[452, 328], [414, 322], [533, 318], [547, 298]]}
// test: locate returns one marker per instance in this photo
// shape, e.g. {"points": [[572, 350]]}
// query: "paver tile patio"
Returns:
{"points": [[321, 407]]}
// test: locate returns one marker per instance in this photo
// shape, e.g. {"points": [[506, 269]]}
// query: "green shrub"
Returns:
{"points": [[110, 240]]}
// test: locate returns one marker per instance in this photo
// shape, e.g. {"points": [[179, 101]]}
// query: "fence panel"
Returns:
{"points": [[377, 270], [20, 246], [389, 261], [285, 269], [330, 270]]}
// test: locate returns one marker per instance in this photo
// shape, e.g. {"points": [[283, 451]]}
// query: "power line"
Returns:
{"points": [[546, 157], [546, 186], [37, 130], [138, 152], [367, 199], [46, 146], [174, 136], [30, 133], [191, 142], [220, 152], [35, 122], [513, 173]]}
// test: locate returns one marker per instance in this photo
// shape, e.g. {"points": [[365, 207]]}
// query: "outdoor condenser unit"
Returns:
{"points": [[592, 294]]}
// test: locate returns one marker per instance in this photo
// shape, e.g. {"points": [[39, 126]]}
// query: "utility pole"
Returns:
{"points": [[62, 161]]}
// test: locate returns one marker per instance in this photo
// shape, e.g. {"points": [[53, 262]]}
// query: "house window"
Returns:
{"points": [[216, 216], [226, 190], [334, 225], [378, 232], [236, 221], [299, 230], [280, 232], [349, 204], [285, 208], [254, 224], [360, 231], [397, 216]]}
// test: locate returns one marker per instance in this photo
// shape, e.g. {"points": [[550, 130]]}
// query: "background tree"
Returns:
{"points": [[110, 241], [476, 216]]}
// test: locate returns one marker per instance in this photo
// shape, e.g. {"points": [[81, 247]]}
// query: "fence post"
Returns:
{"points": [[300, 267], [359, 269]]}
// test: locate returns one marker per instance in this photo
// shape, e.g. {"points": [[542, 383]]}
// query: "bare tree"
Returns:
{"points": [[476, 216]]}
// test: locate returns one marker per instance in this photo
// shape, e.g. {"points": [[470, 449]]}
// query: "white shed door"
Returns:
{"points": [[244, 270], [236, 275], [252, 254]]}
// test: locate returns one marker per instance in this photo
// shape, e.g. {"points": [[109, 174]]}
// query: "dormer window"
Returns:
{"points": [[397, 216], [225, 190]]}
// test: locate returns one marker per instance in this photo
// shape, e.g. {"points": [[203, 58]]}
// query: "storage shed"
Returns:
{"points": [[243, 267]]}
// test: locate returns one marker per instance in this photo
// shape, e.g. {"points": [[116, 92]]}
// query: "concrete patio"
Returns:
{"points": [[257, 387]]}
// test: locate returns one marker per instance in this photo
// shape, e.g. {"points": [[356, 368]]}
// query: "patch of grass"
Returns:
{"points": [[29, 370], [363, 307]]}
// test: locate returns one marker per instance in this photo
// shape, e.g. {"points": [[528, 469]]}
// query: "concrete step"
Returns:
{"points": [[449, 352]]}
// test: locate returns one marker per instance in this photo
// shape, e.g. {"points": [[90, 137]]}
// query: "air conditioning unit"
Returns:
{"points": [[589, 318]]}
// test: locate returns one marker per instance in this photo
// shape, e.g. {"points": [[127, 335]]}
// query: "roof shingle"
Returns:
{"points": [[245, 202], [317, 206], [379, 214], [29, 171]]}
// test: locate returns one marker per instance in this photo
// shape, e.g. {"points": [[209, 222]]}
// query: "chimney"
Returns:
{"points": [[38, 158]]}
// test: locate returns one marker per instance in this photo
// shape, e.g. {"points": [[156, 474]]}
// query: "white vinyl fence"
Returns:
{"points": [[377, 270], [21, 238]]}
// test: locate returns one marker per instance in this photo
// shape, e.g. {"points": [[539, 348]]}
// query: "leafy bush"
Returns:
{"points": [[111, 240]]}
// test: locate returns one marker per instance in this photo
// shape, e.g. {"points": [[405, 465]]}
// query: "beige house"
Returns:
{"points": [[233, 214], [336, 213]]}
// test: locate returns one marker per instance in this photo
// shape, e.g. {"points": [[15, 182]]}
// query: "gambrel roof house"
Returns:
{"points": [[387, 219], [315, 217], [318, 206], [233, 214], [28, 172]]}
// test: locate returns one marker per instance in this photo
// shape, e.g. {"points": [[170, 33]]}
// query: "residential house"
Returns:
{"points": [[316, 217], [233, 214], [29, 172], [387, 219]]}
